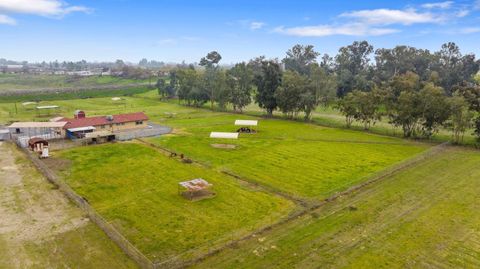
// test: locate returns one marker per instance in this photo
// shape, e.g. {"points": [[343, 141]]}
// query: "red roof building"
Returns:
{"points": [[98, 121]]}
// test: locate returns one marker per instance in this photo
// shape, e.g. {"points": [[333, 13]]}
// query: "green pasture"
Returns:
{"points": [[135, 187], [424, 217], [303, 160], [26, 81]]}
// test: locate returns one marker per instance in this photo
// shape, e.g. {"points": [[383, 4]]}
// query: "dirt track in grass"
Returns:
{"points": [[39, 226]]}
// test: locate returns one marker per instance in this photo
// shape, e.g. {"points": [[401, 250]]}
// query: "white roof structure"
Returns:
{"points": [[224, 135], [116, 98], [55, 119], [79, 129], [47, 107], [246, 122], [38, 124], [28, 103], [195, 184]]}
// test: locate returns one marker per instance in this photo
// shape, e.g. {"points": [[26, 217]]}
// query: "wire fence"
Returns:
{"points": [[192, 256]]}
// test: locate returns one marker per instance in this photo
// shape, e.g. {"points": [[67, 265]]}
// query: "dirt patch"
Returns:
{"points": [[57, 164], [224, 146], [30, 210], [179, 131]]}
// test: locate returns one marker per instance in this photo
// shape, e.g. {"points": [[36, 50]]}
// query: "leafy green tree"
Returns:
{"points": [[434, 108], [460, 119], [210, 62], [324, 84], [267, 82], [352, 67], [288, 94], [471, 93], [299, 58], [348, 107], [405, 111], [405, 82], [308, 101], [190, 87], [367, 107], [402, 59], [221, 92], [240, 82], [453, 67]]}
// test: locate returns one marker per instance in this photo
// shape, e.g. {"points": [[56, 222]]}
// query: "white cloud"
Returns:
{"points": [[393, 16], [4, 19], [439, 5], [255, 25], [470, 30], [48, 8], [353, 29], [462, 13]]}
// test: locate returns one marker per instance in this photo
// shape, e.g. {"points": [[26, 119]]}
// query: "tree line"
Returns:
{"points": [[417, 90]]}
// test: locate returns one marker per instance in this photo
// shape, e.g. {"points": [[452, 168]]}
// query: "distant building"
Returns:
{"points": [[81, 125], [12, 68]]}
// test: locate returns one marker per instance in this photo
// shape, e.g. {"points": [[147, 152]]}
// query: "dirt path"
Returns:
{"points": [[33, 215]]}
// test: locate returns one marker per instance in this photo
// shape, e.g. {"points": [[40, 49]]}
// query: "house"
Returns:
{"points": [[102, 126]]}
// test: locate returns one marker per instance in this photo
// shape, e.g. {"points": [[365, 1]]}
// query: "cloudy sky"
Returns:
{"points": [[176, 30]]}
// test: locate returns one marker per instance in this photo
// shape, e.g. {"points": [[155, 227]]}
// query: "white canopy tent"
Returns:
{"points": [[246, 122], [224, 135], [47, 107]]}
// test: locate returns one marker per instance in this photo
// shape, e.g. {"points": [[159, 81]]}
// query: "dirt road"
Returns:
{"points": [[40, 228]]}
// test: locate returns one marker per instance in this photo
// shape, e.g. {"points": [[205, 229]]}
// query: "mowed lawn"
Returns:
{"points": [[424, 217], [304, 160], [135, 187]]}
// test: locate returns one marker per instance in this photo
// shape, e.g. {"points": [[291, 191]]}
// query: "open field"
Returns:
{"points": [[10, 82], [424, 217], [288, 150], [135, 188], [40, 228], [299, 159]]}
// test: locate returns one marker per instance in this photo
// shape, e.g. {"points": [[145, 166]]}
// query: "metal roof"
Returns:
{"points": [[223, 135], [195, 184], [247, 122], [47, 107], [38, 124], [102, 120], [79, 129]]}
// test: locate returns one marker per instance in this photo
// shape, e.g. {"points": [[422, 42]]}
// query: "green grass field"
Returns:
{"points": [[424, 217], [299, 159], [24, 82], [135, 187], [40, 228]]}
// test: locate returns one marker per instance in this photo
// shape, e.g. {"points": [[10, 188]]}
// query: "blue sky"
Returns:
{"points": [[176, 30]]}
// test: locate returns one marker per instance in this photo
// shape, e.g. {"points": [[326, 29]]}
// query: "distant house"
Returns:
{"points": [[81, 125], [12, 68]]}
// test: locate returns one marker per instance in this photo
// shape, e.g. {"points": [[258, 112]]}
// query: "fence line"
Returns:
{"points": [[96, 218], [371, 179], [177, 262]]}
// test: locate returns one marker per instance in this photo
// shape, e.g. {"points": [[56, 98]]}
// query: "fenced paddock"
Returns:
{"points": [[111, 232]]}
